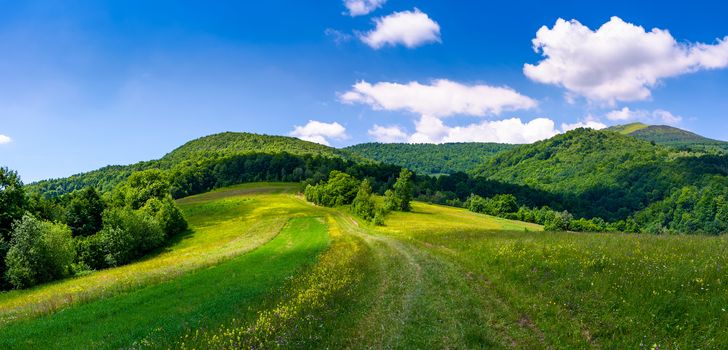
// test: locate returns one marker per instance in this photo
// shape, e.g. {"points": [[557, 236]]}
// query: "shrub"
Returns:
{"points": [[166, 212], [129, 234], [363, 204], [83, 213], [91, 252], [340, 189], [39, 252]]}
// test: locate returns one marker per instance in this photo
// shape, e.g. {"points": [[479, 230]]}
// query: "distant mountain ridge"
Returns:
{"points": [[669, 136]]}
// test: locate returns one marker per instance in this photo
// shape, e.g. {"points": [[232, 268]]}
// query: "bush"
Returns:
{"points": [[363, 204], [166, 212], [83, 213], [90, 251], [340, 189], [129, 234], [39, 252]]}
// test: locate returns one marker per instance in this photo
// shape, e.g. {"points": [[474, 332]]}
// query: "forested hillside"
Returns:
{"points": [[612, 176], [446, 158], [202, 150]]}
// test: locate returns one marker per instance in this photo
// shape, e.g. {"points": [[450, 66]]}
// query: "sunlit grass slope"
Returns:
{"points": [[164, 311], [224, 224], [576, 290]]}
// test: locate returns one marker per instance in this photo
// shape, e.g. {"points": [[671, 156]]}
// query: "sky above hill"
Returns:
{"points": [[84, 84]]}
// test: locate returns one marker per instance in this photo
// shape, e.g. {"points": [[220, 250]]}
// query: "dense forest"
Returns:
{"points": [[446, 158]]}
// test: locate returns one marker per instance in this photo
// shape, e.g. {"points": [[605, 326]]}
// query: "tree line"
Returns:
{"points": [[44, 239]]}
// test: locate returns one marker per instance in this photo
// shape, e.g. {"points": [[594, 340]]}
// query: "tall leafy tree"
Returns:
{"points": [[363, 204], [12, 207], [403, 190], [40, 251], [12, 200], [84, 212]]}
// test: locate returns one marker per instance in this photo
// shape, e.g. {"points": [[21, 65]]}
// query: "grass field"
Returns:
{"points": [[262, 268]]}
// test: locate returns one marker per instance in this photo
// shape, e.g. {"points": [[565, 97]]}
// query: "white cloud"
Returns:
{"points": [[319, 132], [659, 115], [362, 7], [589, 123], [5, 139], [387, 134], [504, 131], [617, 62], [409, 28], [433, 130], [442, 98]]}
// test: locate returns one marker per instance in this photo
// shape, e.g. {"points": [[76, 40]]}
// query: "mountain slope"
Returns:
{"points": [[600, 173], [669, 136], [444, 158], [214, 146], [235, 143]]}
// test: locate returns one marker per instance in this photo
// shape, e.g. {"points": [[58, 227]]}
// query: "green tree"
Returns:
{"points": [[363, 204], [340, 189], [391, 201], [84, 211], [142, 186], [166, 212], [39, 252], [403, 190], [12, 207], [129, 234], [12, 200]]}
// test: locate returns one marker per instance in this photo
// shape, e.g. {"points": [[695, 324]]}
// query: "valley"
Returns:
{"points": [[263, 267]]}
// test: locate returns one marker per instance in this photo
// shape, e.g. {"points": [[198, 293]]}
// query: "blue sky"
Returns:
{"points": [[84, 84]]}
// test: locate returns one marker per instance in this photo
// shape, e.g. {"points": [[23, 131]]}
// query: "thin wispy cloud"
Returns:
{"points": [[362, 7]]}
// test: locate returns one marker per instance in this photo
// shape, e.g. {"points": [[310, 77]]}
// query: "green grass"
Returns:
{"points": [[437, 277], [166, 310], [572, 290]]}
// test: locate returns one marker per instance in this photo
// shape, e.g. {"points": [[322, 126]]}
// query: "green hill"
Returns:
{"points": [[235, 143], [669, 136], [601, 173], [227, 144], [444, 158]]}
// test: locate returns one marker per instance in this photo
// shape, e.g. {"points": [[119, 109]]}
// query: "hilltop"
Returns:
{"points": [[669, 136], [446, 158], [216, 146]]}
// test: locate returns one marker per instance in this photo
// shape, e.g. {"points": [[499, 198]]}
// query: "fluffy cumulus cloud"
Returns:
{"points": [[388, 134], [5, 139], [513, 130], [408, 28], [362, 7], [619, 61], [589, 122], [441, 98], [319, 132], [658, 115]]}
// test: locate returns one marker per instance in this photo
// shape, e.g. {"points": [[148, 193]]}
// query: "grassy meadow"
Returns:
{"points": [[262, 268]]}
